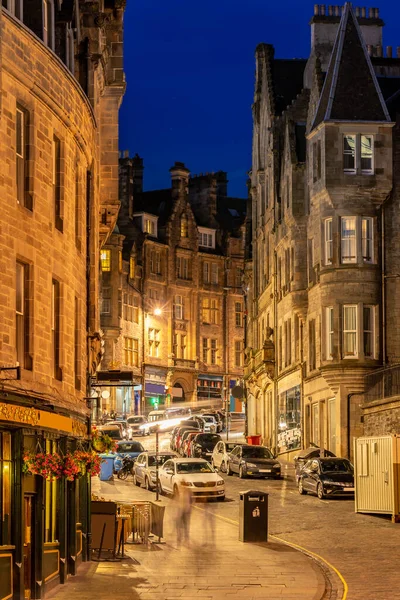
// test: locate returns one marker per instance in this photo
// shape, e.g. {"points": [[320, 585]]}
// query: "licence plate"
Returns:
{"points": [[349, 489], [265, 471]]}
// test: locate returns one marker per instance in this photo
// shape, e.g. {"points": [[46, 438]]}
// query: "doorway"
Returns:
{"points": [[29, 529]]}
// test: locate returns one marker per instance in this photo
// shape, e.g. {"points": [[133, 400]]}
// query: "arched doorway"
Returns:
{"points": [[177, 393]]}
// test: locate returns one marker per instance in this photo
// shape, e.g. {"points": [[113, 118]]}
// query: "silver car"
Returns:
{"points": [[144, 470]]}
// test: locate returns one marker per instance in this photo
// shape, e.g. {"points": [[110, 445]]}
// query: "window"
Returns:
{"points": [[311, 262], [367, 239], [350, 349], [150, 227], [206, 272], [131, 352], [77, 348], [238, 314], [206, 238], [182, 267], [5, 488], [288, 342], [280, 347], [154, 342], [368, 326], [349, 153], [317, 161], [328, 236], [155, 262], [106, 301], [132, 267], [22, 157], [57, 183], [349, 240], [209, 348], [184, 226], [214, 273], [15, 7], [127, 307], [183, 346], [178, 307], [329, 332], [312, 345], [77, 207], [287, 270], [120, 261], [105, 259], [22, 311], [239, 276], [358, 154], [315, 423], [154, 294], [210, 310], [238, 353], [56, 327], [296, 338]]}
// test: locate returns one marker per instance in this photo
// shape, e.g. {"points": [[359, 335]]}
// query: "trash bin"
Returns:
{"points": [[254, 440], [107, 467], [253, 516]]}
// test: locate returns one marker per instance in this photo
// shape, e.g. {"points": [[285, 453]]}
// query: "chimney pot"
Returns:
{"points": [[316, 9], [379, 51], [330, 10], [389, 51], [371, 13], [363, 11], [336, 10], [357, 11], [370, 49], [398, 51], [322, 9]]}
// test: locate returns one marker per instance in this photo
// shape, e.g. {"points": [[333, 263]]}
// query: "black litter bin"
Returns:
{"points": [[253, 516]]}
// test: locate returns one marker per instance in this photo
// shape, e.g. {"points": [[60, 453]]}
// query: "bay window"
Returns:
{"points": [[328, 237], [368, 331], [329, 332], [358, 154], [349, 240], [350, 346], [367, 239]]}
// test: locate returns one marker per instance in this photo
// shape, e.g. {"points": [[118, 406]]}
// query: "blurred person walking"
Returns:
{"points": [[184, 511]]}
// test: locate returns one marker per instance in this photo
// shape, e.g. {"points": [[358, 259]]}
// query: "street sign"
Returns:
{"points": [[237, 391]]}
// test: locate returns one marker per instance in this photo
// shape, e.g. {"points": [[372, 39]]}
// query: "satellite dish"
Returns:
{"points": [[237, 391]]}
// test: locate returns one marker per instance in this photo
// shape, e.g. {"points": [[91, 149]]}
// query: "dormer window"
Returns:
{"points": [[149, 226], [206, 237], [358, 154], [148, 223]]}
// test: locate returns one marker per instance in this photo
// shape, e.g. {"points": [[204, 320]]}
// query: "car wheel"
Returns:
{"points": [[320, 491], [135, 481], [223, 467], [228, 470], [302, 491], [147, 484], [242, 474], [122, 474]]}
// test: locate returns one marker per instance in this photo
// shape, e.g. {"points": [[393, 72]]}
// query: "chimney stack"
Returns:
{"points": [[389, 51], [179, 177]]}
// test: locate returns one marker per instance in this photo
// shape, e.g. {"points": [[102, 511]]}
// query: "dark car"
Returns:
{"points": [[203, 445], [307, 454], [327, 477], [126, 448], [253, 461], [135, 423]]}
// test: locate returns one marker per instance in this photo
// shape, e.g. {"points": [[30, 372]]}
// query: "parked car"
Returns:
{"points": [[217, 419], [203, 445], [179, 435], [125, 448], [113, 431], [135, 422], [144, 470], [183, 438], [327, 477], [195, 473], [307, 454], [210, 424], [220, 455], [187, 444], [253, 461]]}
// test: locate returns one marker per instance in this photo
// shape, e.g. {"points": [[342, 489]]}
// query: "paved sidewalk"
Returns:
{"points": [[215, 566]]}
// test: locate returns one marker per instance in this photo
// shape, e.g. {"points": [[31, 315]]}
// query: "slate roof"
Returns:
{"points": [[351, 91]]}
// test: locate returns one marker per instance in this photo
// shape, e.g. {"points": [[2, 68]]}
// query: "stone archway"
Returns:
{"points": [[178, 393]]}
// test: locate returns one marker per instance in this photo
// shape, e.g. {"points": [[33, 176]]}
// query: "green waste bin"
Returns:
{"points": [[253, 516]]}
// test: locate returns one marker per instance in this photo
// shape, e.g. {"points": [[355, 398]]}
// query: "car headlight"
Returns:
{"points": [[278, 466], [253, 466], [186, 483], [220, 482]]}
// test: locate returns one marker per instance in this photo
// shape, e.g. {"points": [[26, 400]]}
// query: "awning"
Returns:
{"points": [[154, 388], [211, 377]]}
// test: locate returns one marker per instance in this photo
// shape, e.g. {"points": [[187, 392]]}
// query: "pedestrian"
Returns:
{"points": [[184, 512], [208, 527]]}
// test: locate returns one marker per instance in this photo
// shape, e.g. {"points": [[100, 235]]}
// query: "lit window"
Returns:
{"points": [[367, 239], [328, 241], [184, 226], [131, 352], [349, 240], [205, 310], [120, 261], [132, 267], [350, 346], [178, 307], [329, 333], [154, 342], [150, 226], [105, 258], [238, 353], [238, 314]]}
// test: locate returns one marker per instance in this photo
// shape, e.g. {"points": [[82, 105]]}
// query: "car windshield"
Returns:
{"points": [[161, 459], [336, 466], [208, 419], [135, 420], [256, 452], [130, 447], [115, 434], [230, 447], [193, 467]]}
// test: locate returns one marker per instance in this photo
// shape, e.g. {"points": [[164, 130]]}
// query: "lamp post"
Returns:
{"points": [[157, 450]]}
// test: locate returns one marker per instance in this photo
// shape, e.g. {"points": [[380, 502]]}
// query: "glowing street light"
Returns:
{"points": [[157, 312]]}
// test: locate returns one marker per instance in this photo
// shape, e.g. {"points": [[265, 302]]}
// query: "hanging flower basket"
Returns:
{"points": [[49, 466], [89, 462], [102, 442]]}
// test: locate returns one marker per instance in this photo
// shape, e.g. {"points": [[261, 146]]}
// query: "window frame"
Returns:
{"points": [[348, 260], [239, 353], [56, 327], [56, 182], [178, 307], [358, 154], [328, 241], [329, 331], [131, 351], [347, 332], [365, 241], [22, 315], [105, 260], [238, 314], [22, 152], [371, 332]]}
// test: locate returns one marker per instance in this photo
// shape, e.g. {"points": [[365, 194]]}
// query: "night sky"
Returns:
{"points": [[190, 78]]}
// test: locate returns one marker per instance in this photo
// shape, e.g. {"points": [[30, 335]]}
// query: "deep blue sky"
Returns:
{"points": [[190, 78]]}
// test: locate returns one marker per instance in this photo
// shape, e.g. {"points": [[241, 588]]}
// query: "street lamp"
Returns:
{"points": [[157, 480], [158, 312]]}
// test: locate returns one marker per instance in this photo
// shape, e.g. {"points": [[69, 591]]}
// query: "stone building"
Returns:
{"points": [[61, 83], [323, 271], [172, 299]]}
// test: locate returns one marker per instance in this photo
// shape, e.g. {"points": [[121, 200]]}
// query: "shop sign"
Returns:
{"points": [[27, 415]]}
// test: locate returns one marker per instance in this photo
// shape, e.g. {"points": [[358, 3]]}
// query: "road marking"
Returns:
{"points": [[296, 546]]}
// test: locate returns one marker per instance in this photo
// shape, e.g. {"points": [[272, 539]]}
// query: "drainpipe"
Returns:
{"points": [[348, 423], [276, 351], [383, 284]]}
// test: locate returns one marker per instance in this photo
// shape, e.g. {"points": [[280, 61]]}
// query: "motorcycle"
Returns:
{"points": [[127, 467]]}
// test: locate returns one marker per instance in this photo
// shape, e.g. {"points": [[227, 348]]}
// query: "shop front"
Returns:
{"points": [[44, 501], [210, 389]]}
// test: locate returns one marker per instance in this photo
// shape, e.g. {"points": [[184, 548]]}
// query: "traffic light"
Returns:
{"points": [[154, 402]]}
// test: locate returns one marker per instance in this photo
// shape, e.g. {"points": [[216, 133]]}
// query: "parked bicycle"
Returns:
{"points": [[127, 467]]}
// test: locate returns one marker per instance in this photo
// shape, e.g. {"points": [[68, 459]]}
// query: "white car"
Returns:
{"points": [[195, 473], [210, 424], [220, 458]]}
